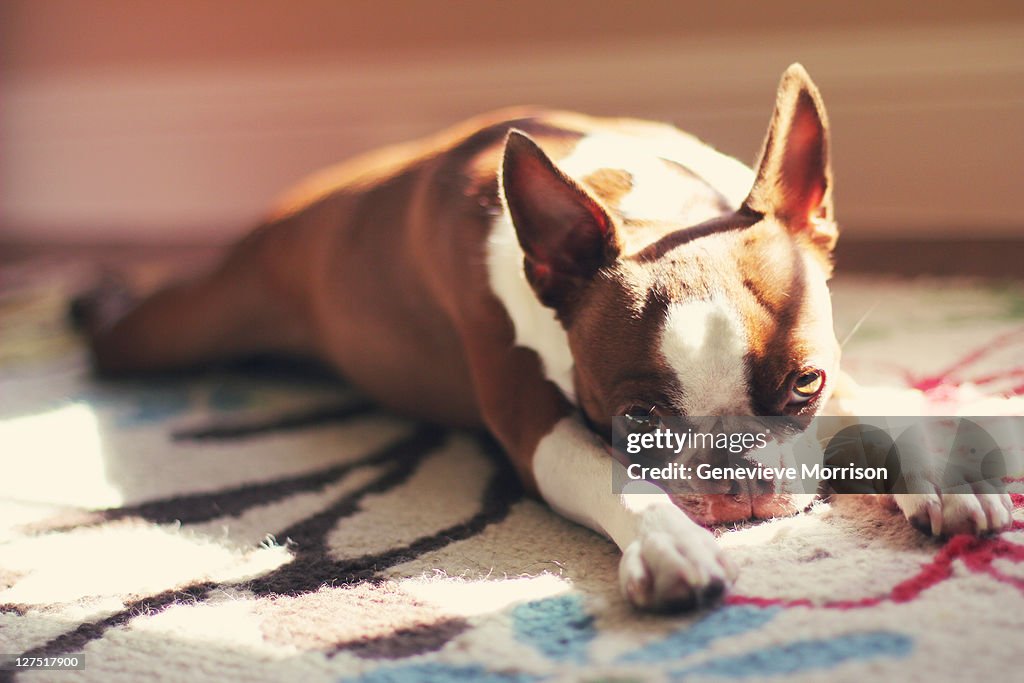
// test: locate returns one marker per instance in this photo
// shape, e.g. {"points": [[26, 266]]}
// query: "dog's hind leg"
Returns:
{"points": [[248, 305]]}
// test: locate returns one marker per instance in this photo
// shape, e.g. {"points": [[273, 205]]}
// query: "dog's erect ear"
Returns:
{"points": [[565, 233], [794, 177]]}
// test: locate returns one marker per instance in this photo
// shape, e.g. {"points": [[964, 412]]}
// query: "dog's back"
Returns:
{"points": [[373, 264]]}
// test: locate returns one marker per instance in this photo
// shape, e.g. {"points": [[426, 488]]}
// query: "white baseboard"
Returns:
{"points": [[927, 125]]}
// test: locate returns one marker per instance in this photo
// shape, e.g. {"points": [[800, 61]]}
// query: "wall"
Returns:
{"points": [[177, 122]]}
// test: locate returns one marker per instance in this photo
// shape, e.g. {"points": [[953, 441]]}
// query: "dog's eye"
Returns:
{"points": [[642, 418], [806, 385]]}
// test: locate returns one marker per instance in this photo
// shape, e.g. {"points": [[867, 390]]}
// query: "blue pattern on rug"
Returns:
{"points": [[559, 627], [157, 406], [804, 655], [227, 397], [431, 672], [139, 405], [722, 623]]}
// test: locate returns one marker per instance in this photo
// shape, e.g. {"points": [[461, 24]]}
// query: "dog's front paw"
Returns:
{"points": [[948, 514], [673, 564]]}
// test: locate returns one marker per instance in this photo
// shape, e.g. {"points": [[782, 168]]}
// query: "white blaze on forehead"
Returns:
{"points": [[655, 193], [706, 344]]}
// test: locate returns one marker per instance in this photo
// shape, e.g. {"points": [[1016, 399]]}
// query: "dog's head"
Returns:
{"points": [[728, 317]]}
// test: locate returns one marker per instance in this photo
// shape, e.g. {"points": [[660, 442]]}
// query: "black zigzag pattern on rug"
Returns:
{"points": [[311, 566], [195, 508]]}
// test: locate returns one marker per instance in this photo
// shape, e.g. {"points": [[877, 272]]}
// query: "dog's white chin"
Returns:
{"points": [[710, 509]]}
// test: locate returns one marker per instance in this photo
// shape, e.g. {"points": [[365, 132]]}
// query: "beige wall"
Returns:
{"points": [[179, 120]]}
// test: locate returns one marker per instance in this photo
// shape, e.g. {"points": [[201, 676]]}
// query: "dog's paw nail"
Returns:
{"points": [[979, 521], [1000, 518], [639, 590], [934, 518], [711, 593], [998, 511], [927, 519]]}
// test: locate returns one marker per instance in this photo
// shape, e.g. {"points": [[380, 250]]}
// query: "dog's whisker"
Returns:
{"points": [[856, 327]]}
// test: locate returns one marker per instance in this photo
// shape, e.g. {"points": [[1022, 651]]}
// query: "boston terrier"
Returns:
{"points": [[538, 273]]}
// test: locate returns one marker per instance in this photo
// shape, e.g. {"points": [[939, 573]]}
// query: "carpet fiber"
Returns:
{"points": [[263, 526]]}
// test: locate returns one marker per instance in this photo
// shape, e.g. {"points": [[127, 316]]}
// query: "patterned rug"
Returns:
{"points": [[266, 525]]}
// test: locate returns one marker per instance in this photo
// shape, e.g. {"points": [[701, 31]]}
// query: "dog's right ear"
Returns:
{"points": [[794, 176], [566, 235]]}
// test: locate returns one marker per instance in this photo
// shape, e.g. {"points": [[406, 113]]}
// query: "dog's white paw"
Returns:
{"points": [[947, 514], [673, 564]]}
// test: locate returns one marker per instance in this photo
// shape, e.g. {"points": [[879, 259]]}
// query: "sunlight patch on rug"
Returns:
{"points": [[56, 456]]}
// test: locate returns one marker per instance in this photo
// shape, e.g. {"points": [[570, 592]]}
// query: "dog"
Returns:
{"points": [[538, 273]]}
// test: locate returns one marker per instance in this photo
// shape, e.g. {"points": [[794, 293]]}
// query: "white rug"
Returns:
{"points": [[245, 527]]}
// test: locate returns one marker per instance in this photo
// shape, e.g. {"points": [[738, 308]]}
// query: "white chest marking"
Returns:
{"points": [[536, 326], [705, 343]]}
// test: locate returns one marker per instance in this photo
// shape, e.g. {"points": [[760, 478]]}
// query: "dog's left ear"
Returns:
{"points": [[794, 176], [565, 233]]}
